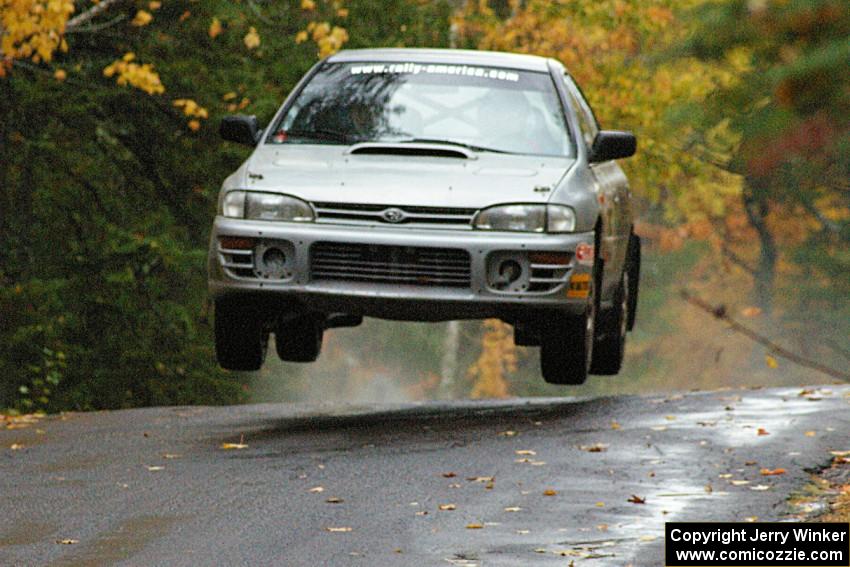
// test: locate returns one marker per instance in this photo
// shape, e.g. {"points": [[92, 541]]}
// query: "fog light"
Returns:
{"points": [[274, 259], [509, 272]]}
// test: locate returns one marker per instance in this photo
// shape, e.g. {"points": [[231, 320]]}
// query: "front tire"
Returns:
{"points": [[566, 345], [240, 339], [300, 339]]}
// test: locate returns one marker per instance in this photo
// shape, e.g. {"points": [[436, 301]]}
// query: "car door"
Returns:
{"points": [[613, 194]]}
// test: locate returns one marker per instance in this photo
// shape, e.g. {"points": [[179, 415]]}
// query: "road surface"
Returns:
{"points": [[521, 482]]}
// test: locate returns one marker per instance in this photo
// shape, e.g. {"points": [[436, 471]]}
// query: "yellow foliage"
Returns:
{"points": [[60, 75], [252, 39], [329, 38], [215, 28], [154, 5], [33, 29], [191, 108], [498, 357], [142, 18], [609, 47], [128, 72]]}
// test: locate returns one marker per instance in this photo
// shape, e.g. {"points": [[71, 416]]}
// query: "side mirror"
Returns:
{"points": [[613, 144], [241, 129]]}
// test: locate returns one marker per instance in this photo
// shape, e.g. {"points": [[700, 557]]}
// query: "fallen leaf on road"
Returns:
{"points": [[725, 475], [602, 527], [16, 446], [480, 478], [600, 504], [708, 488], [449, 475], [170, 456], [422, 513], [523, 532], [489, 486], [648, 538], [316, 489], [513, 509], [550, 492], [67, 541], [670, 417], [635, 499], [525, 452], [840, 453], [507, 433], [770, 361], [474, 526], [810, 433], [615, 426], [595, 448], [762, 431], [229, 446], [334, 500], [154, 468], [339, 530], [539, 550], [447, 507], [659, 428], [739, 482], [772, 472], [751, 519], [760, 487]]}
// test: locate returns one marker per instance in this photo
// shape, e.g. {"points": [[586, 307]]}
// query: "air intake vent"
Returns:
{"points": [[411, 149], [390, 264]]}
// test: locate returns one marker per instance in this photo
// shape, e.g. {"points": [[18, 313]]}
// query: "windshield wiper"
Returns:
{"points": [[472, 147], [322, 134]]}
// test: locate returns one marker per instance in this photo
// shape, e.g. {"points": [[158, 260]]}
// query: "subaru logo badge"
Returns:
{"points": [[393, 215]]}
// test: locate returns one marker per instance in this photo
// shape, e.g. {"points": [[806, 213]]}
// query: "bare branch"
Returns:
{"points": [[90, 14], [94, 28], [719, 312]]}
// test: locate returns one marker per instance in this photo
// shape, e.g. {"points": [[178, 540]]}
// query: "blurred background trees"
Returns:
{"points": [[110, 165]]}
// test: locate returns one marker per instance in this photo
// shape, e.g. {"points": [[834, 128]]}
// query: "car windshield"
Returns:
{"points": [[482, 108]]}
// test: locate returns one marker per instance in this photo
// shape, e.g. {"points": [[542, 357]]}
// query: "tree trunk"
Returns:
{"points": [[448, 366], [757, 207]]}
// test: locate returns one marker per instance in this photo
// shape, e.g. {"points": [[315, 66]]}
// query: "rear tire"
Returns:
{"points": [[609, 346], [633, 268], [240, 340], [300, 339]]}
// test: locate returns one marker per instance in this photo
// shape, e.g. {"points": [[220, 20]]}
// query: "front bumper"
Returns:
{"points": [[428, 302]]}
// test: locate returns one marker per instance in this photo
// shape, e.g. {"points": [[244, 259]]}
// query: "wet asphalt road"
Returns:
{"points": [[155, 487]]}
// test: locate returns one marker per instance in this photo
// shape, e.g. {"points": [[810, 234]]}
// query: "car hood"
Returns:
{"points": [[329, 173]]}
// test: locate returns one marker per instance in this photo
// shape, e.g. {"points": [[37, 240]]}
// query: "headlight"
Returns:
{"points": [[265, 206], [527, 218]]}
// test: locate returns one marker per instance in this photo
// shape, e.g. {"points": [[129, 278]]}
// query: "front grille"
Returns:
{"points": [[390, 264], [438, 217]]}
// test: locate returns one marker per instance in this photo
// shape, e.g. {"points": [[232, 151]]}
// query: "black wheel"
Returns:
{"points": [[300, 339], [609, 346], [566, 345], [240, 340], [633, 268]]}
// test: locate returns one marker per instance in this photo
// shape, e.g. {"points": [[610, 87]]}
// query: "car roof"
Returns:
{"points": [[449, 56]]}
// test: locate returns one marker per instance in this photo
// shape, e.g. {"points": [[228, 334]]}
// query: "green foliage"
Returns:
{"points": [[109, 192]]}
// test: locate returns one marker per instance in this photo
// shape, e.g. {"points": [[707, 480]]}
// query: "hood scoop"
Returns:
{"points": [[411, 150]]}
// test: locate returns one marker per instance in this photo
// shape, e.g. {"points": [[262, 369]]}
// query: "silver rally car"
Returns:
{"points": [[428, 185]]}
